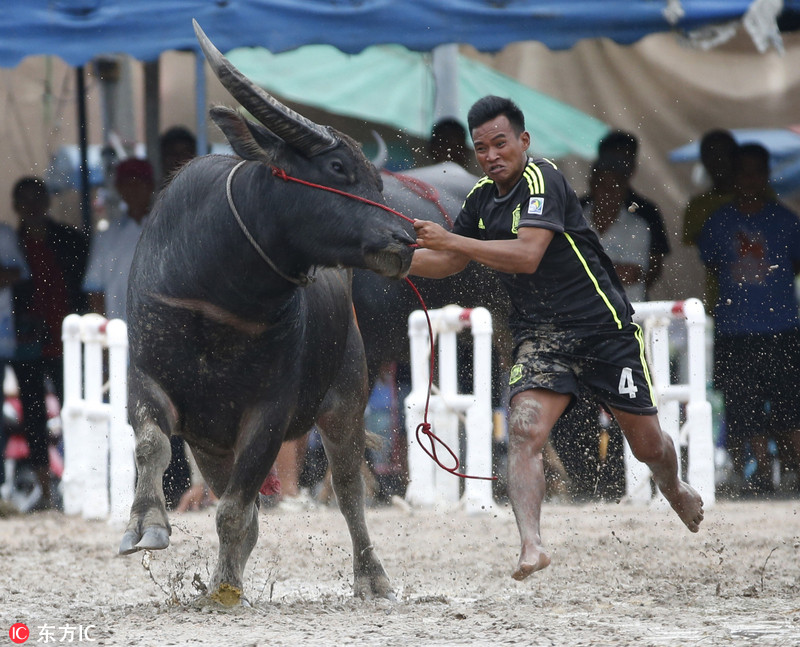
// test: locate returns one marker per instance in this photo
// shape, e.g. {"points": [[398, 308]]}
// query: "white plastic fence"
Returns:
{"points": [[99, 463], [429, 484], [695, 434]]}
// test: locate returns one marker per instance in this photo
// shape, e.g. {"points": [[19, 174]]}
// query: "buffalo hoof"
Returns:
{"points": [[368, 588], [153, 538], [229, 596]]}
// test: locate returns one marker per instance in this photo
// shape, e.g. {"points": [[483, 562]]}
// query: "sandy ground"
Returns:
{"points": [[621, 575]]}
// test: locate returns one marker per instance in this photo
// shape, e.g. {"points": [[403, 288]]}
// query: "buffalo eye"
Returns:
{"points": [[337, 167]]}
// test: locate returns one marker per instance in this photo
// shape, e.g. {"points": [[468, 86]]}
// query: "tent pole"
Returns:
{"points": [[445, 75], [200, 103], [86, 212], [152, 117]]}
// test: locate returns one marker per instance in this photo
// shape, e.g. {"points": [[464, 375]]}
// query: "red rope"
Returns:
{"points": [[423, 190], [280, 173], [424, 427]]}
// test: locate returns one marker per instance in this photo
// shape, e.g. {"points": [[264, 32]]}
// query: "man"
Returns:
{"points": [[448, 143], [625, 237], [571, 321], [622, 147], [752, 245], [56, 255], [717, 152], [177, 146], [111, 251]]}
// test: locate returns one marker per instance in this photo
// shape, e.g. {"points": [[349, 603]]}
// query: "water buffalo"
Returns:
{"points": [[232, 347]]}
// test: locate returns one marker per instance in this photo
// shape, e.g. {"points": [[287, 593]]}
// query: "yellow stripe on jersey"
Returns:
{"points": [[593, 279], [640, 339], [479, 184], [533, 175]]}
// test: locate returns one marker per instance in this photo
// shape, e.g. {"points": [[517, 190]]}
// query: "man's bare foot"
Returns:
{"points": [[530, 561], [688, 504]]}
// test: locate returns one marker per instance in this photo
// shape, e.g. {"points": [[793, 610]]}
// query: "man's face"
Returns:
{"points": [[752, 179], [31, 204], [501, 153]]}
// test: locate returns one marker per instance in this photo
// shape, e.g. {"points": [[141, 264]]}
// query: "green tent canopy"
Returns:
{"points": [[391, 85]]}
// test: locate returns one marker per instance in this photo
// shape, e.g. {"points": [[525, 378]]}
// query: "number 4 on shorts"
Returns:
{"points": [[626, 383]]}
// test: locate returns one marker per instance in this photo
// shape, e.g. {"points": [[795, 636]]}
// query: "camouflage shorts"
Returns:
{"points": [[609, 364]]}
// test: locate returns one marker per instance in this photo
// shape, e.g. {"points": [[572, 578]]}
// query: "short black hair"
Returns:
{"points": [[618, 140], [178, 134], [448, 125], [755, 152], [713, 139], [491, 106], [32, 183]]}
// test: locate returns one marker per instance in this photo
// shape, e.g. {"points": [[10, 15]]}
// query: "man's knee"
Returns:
{"points": [[528, 425]]}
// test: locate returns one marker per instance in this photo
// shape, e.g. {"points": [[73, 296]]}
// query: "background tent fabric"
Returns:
{"points": [[391, 85], [664, 92], [78, 30]]}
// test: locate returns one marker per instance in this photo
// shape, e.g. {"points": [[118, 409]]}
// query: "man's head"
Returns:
{"points": [[620, 146], [717, 152], [30, 197], [497, 126], [490, 107], [608, 184], [751, 172], [135, 184], [448, 142], [177, 145]]}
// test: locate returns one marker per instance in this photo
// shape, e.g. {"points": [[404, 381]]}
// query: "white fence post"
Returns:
{"points": [[696, 432], [99, 466], [122, 445], [428, 483], [71, 416]]}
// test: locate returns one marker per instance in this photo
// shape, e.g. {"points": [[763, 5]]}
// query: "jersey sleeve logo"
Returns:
{"points": [[515, 220], [536, 206]]}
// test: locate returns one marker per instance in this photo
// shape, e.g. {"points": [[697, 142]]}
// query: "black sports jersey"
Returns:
{"points": [[575, 283]]}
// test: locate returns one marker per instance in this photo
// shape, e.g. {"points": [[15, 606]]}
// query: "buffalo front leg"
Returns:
{"points": [[237, 512], [153, 417], [148, 527], [369, 577]]}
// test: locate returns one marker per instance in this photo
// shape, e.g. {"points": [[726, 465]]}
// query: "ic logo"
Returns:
{"points": [[18, 633]]}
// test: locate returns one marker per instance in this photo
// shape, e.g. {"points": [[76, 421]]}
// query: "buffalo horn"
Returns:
{"points": [[299, 132], [382, 156]]}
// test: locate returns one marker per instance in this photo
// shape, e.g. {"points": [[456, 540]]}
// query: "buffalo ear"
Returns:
{"points": [[249, 141]]}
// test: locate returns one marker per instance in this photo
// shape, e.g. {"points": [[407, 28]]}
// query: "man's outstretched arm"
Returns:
{"points": [[516, 256]]}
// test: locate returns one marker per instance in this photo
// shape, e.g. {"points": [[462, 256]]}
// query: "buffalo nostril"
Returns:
{"points": [[405, 238]]}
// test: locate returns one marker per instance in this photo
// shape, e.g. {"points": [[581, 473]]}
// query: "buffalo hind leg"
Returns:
{"points": [[148, 527], [345, 458]]}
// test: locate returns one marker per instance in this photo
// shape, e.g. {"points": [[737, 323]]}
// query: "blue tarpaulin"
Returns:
{"points": [[78, 30]]}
